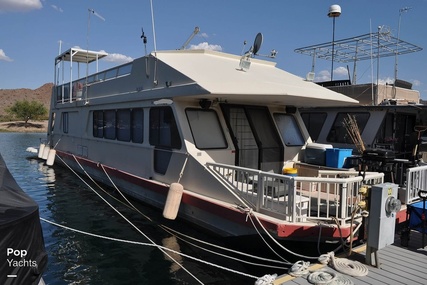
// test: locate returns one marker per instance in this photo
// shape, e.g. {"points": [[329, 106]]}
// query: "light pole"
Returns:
{"points": [[401, 10], [334, 12]]}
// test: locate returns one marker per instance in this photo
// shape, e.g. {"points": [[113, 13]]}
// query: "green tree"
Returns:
{"points": [[25, 110]]}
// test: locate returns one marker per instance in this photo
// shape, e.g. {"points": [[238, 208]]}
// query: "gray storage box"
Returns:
{"points": [[315, 153]]}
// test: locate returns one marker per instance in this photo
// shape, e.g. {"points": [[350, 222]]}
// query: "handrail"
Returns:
{"points": [[416, 179], [297, 199]]}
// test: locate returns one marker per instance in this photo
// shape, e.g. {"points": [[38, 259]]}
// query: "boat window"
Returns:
{"points": [[110, 124], [112, 73], [338, 132], [314, 123], [255, 137], [288, 128], [123, 125], [385, 137], [65, 122], [137, 125], [65, 93], [163, 128], [206, 129], [124, 69], [91, 78], [243, 136], [98, 124], [266, 134], [59, 94]]}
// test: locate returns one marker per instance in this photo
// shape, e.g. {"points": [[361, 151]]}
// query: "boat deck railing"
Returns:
{"points": [[416, 180], [75, 90], [331, 195]]}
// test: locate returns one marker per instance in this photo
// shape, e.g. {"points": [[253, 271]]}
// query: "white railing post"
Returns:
{"points": [[260, 192], [343, 202], [291, 201]]}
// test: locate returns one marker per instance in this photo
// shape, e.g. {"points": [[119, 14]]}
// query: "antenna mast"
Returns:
{"points": [[144, 40], [195, 32], [152, 23], [90, 11]]}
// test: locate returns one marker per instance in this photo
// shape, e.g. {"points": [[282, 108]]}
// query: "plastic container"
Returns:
{"points": [[315, 153], [335, 157]]}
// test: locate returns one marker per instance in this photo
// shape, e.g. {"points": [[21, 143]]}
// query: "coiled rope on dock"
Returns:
{"points": [[300, 268], [325, 277], [344, 265]]}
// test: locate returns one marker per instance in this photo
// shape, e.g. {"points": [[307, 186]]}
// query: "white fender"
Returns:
{"points": [[173, 201], [41, 149], [45, 152], [51, 157]]}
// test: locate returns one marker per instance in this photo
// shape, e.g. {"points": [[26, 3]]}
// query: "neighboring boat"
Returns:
{"points": [[398, 129], [206, 136], [24, 258]]}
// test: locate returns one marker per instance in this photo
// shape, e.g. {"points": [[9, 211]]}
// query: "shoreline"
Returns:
{"points": [[19, 126]]}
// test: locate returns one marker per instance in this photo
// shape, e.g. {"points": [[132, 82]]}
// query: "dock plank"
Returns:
{"points": [[397, 265]]}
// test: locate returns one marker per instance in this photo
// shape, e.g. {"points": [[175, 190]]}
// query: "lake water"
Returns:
{"points": [[76, 258]]}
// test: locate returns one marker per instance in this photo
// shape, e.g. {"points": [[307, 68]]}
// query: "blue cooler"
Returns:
{"points": [[335, 157]]}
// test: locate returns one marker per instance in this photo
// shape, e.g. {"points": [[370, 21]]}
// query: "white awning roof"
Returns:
{"points": [[80, 55], [221, 76]]}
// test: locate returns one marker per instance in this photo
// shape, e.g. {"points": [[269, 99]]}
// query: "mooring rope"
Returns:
{"points": [[325, 277], [300, 268], [344, 265], [321, 277], [230, 250], [280, 245], [155, 245], [126, 219], [150, 245], [175, 233]]}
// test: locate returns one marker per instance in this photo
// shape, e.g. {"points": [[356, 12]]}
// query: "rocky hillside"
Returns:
{"points": [[9, 96]]}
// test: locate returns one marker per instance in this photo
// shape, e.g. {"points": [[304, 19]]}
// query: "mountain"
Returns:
{"points": [[8, 97]]}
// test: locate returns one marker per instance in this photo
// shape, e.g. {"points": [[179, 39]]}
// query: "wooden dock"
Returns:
{"points": [[397, 265]]}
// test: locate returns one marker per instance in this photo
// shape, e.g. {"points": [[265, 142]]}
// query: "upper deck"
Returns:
{"points": [[198, 74]]}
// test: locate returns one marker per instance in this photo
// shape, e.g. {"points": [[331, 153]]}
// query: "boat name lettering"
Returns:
{"points": [[139, 88]]}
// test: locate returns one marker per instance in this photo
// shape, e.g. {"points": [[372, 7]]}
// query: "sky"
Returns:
{"points": [[33, 32]]}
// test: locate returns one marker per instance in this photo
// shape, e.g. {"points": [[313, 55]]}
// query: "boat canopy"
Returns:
{"points": [[222, 76], [80, 55]]}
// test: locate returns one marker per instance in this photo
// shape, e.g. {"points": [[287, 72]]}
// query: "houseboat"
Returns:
{"points": [[212, 138]]}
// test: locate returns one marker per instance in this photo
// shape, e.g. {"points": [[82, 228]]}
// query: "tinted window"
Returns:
{"points": [[110, 124], [163, 129], [137, 125], [314, 123], [206, 129], [338, 132], [288, 127], [98, 124], [123, 125]]}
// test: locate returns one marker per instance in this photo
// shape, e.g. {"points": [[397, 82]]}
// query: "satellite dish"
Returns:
{"points": [[257, 43]]}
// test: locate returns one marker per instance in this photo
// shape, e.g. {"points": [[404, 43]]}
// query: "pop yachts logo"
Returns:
{"points": [[17, 258]]}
